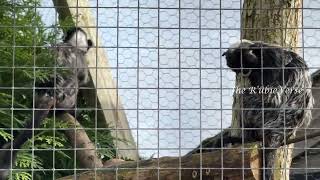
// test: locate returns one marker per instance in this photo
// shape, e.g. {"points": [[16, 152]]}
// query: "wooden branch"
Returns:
{"points": [[234, 167], [302, 138], [85, 150], [107, 93]]}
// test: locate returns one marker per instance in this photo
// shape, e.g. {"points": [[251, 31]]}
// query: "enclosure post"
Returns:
{"points": [[273, 21], [101, 76]]}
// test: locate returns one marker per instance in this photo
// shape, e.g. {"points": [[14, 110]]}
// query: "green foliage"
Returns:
{"points": [[29, 57], [29, 36], [26, 161], [22, 176], [6, 136]]}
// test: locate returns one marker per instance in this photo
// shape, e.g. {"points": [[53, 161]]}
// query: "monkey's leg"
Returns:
{"points": [[216, 142], [5, 153]]}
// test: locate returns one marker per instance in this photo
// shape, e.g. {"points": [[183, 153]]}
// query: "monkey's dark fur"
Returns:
{"points": [[71, 73], [274, 117]]}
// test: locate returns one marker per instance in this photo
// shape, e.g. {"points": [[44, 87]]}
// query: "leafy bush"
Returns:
{"points": [[23, 52]]}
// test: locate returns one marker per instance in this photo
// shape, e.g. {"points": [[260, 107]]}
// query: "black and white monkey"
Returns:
{"points": [[60, 91], [271, 117]]}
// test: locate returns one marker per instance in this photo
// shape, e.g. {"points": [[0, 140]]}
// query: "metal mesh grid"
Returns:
{"points": [[165, 57], [149, 66]]}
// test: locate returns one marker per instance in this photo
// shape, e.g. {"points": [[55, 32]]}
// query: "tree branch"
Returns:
{"points": [[237, 163], [85, 149], [302, 138]]}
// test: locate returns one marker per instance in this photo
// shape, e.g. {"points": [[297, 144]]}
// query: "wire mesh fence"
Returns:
{"points": [[163, 74]]}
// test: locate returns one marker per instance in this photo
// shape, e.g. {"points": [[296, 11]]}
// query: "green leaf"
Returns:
{"points": [[22, 176], [6, 136]]}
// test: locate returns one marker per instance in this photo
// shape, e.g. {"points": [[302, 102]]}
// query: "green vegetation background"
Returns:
{"points": [[23, 56]]}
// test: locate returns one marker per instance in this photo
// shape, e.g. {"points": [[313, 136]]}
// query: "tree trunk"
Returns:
{"points": [[272, 21]]}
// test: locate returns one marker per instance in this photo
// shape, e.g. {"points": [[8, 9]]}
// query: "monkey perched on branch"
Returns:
{"points": [[60, 91], [269, 116]]}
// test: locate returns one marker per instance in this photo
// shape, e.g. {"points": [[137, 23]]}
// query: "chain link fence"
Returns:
{"points": [[166, 60]]}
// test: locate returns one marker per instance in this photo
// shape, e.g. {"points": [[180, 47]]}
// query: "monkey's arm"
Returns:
{"points": [[8, 155]]}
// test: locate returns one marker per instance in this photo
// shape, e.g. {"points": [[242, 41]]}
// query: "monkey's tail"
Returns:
{"points": [[6, 158]]}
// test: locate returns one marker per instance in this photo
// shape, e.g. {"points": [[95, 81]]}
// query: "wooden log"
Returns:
{"points": [[232, 164], [85, 149], [101, 76]]}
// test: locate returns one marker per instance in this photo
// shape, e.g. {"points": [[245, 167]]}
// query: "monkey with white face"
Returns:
{"points": [[60, 91], [271, 118]]}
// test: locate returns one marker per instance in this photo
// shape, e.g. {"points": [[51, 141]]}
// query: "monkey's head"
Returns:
{"points": [[255, 59], [77, 37]]}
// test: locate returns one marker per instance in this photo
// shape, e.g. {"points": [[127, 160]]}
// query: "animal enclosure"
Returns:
{"points": [[162, 102]]}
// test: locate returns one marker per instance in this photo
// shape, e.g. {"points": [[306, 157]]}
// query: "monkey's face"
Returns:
{"points": [[77, 37], [256, 59], [240, 57], [248, 56]]}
